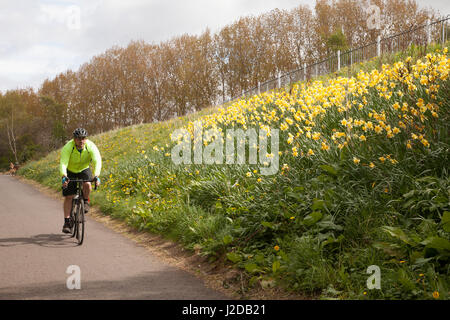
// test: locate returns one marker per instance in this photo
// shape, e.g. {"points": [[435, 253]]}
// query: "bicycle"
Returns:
{"points": [[77, 211]]}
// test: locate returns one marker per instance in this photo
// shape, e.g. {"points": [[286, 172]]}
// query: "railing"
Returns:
{"points": [[426, 34]]}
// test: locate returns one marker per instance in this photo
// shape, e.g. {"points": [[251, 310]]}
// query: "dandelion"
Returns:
{"points": [[276, 248], [362, 137], [371, 165], [436, 294], [310, 152], [356, 160], [249, 174]]}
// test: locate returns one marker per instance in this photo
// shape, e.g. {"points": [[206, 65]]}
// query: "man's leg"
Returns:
{"points": [[67, 206], [87, 188]]}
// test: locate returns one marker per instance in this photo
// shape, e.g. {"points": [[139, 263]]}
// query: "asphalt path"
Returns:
{"points": [[35, 256]]}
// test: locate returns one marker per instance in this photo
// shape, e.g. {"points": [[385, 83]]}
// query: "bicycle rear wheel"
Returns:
{"points": [[80, 222]]}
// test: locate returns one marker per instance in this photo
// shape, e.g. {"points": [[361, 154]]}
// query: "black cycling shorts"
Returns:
{"points": [[71, 189]]}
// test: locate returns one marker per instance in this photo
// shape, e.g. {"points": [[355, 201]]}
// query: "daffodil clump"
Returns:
{"points": [[395, 106], [357, 156]]}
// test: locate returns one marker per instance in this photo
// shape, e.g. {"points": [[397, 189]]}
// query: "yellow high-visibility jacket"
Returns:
{"points": [[76, 161]]}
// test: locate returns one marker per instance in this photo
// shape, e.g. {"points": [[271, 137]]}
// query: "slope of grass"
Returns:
{"points": [[363, 181]]}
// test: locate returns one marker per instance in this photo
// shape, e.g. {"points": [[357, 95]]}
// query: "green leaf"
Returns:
{"points": [[227, 239], [318, 205], [409, 194], [446, 221], [233, 257], [391, 249], [259, 258], [251, 267], [312, 218], [267, 224], [275, 266], [421, 261], [437, 243], [327, 223], [331, 170], [399, 234], [296, 196]]}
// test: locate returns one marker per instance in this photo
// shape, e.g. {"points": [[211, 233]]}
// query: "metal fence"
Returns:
{"points": [[431, 32]]}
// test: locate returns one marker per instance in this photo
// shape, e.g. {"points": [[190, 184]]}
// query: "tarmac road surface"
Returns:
{"points": [[35, 256]]}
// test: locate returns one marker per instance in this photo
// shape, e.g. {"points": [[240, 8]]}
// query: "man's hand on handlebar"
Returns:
{"points": [[65, 182], [97, 181]]}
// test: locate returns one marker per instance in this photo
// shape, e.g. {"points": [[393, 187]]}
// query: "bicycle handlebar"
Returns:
{"points": [[81, 180]]}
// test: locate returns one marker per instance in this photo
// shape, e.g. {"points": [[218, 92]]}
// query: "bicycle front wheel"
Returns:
{"points": [[80, 222], [73, 215]]}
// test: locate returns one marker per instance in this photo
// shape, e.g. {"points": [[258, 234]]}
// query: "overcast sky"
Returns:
{"points": [[41, 38]]}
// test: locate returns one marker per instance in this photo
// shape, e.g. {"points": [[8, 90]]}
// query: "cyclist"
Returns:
{"points": [[74, 164]]}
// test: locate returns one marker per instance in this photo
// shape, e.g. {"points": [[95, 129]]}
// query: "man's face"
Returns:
{"points": [[80, 142]]}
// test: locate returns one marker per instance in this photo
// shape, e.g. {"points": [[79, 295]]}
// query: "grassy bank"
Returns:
{"points": [[363, 180]]}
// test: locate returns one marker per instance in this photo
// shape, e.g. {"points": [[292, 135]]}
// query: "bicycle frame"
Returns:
{"points": [[77, 210]]}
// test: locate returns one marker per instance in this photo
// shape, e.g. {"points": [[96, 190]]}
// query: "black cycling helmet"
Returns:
{"points": [[80, 133]]}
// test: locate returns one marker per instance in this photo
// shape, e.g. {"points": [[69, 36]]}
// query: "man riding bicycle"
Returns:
{"points": [[74, 164]]}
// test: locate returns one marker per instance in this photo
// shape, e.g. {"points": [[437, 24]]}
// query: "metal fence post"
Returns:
{"points": [[304, 71], [378, 46], [339, 59]]}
